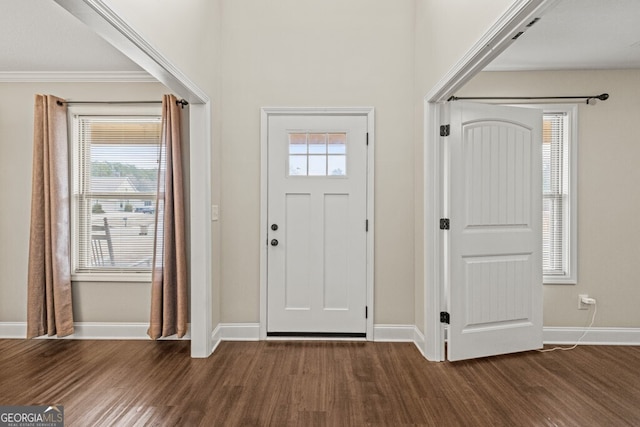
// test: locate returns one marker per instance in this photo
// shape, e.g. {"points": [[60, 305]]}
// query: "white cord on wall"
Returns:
{"points": [[589, 301]]}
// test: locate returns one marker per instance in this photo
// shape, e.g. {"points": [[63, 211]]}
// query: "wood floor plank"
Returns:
{"points": [[314, 383]]}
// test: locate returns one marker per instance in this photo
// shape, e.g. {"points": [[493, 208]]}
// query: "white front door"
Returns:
{"points": [[495, 240], [317, 230]]}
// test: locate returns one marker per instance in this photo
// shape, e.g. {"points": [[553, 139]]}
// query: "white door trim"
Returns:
{"points": [[490, 45], [265, 113]]}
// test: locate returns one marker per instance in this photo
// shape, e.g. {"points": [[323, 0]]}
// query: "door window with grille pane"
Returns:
{"points": [[116, 161]]}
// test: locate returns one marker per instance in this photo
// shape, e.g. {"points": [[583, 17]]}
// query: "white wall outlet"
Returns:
{"points": [[215, 212], [581, 305]]}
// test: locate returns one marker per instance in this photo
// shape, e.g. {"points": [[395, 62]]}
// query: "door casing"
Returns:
{"points": [[267, 112]]}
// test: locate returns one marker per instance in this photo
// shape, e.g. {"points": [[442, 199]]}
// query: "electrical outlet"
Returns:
{"points": [[581, 305]]}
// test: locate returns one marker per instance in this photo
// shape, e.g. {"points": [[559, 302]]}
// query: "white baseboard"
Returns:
{"points": [[381, 333], [239, 331], [394, 333], [90, 331], [399, 333], [216, 339], [13, 329], [251, 332], [418, 340], [595, 336]]}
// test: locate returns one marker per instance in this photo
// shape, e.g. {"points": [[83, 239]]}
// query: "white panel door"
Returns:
{"points": [[317, 205], [495, 237]]}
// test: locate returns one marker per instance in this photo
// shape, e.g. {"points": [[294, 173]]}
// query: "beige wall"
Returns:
{"points": [[186, 32], [608, 199], [446, 30], [94, 302], [317, 53]]}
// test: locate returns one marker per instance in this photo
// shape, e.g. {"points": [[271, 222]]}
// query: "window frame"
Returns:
{"points": [[75, 163], [570, 200]]}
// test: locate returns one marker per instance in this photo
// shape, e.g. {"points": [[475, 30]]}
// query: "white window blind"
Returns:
{"points": [[555, 160], [116, 161]]}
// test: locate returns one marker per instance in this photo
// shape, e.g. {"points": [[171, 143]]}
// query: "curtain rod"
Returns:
{"points": [[181, 102], [602, 97]]}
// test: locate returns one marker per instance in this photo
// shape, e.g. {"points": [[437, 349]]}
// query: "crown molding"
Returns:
{"points": [[76, 77]]}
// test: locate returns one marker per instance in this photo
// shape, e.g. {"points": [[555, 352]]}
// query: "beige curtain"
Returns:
{"points": [[169, 308], [49, 309]]}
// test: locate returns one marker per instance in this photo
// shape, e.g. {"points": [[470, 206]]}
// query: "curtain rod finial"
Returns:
{"points": [[594, 99]]}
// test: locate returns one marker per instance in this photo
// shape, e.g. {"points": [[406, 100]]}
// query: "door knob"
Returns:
{"points": [[274, 227], [274, 242]]}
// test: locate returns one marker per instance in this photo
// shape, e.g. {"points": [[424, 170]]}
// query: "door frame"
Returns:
{"points": [[265, 114], [435, 113]]}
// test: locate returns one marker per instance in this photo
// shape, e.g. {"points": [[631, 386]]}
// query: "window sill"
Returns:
{"points": [[111, 277], [559, 280]]}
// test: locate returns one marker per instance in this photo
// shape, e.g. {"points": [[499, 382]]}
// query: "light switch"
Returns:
{"points": [[215, 212]]}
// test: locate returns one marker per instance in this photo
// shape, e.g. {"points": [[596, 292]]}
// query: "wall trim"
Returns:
{"points": [[201, 262], [76, 77], [419, 340], [216, 338], [91, 331], [382, 333], [399, 333], [393, 333], [13, 330], [239, 331], [595, 336]]}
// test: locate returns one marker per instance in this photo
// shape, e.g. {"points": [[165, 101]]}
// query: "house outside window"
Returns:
{"points": [[115, 162]]}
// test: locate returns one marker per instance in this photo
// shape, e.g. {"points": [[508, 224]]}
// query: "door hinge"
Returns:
{"points": [[445, 130], [366, 225], [366, 311], [444, 224], [367, 138], [444, 317]]}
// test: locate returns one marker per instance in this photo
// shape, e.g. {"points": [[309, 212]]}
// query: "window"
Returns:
{"points": [[115, 163], [317, 154], [559, 185]]}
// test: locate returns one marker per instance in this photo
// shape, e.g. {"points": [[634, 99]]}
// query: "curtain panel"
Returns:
{"points": [[169, 287], [49, 302]]}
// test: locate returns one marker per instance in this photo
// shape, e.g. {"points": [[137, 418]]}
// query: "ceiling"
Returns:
{"points": [[578, 34], [40, 36]]}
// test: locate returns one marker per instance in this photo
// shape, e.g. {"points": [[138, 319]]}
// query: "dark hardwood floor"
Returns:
{"points": [[125, 383]]}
